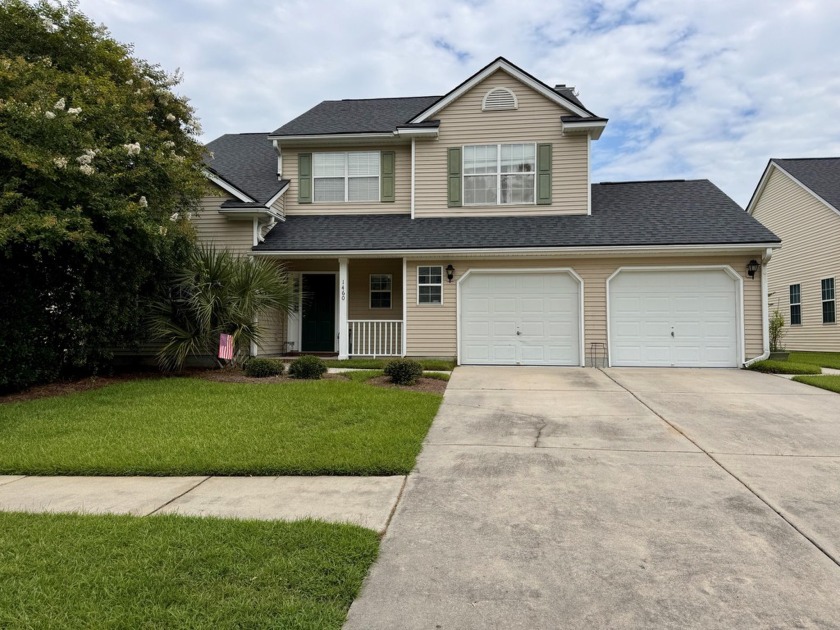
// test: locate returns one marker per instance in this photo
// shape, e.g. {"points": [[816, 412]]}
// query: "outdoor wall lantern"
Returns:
{"points": [[752, 267], [450, 272]]}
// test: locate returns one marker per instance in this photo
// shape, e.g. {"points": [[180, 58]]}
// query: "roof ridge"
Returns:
{"points": [[649, 181], [804, 158], [378, 98]]}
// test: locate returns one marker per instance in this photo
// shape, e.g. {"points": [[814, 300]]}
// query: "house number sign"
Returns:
{"points": [[343, 294]]}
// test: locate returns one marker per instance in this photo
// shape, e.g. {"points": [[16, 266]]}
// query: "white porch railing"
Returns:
{"points": [[375, 337]]}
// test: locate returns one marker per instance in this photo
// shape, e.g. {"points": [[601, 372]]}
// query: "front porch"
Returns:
{"points": [[346, 307]]}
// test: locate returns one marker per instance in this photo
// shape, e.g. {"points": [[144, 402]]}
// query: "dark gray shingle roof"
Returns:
{"points": [[248, 161], [822, 175], [369, 115], [633, 213]]}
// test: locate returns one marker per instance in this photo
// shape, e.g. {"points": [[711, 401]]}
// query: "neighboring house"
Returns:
{"points": [[466, 225], [800, 201]]}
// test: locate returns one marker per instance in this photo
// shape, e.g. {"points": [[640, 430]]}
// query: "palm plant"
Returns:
{"points": [[218, 293]]}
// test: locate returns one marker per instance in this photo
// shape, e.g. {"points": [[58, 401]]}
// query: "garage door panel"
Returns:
{"points": [[699, 306], [504, 305], [542, 306]]}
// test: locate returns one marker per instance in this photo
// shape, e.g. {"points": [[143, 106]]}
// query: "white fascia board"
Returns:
{"points": [[226, 186], [519, 252], [594, 129], [250, 213], [760, 188], [501, 64], [410, 132], [279, 194]]}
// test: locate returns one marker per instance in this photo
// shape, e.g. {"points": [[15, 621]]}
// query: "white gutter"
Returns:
{"points": [[524, 251], [765, 311]]}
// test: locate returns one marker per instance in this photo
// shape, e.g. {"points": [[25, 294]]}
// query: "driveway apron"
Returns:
{"points": [[561, 498]]}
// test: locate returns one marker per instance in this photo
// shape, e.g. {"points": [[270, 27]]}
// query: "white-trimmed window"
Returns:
{"points": [[795, 305], [350, 176], [829, 310], [430, 285], [499, 174], [380, 290]]}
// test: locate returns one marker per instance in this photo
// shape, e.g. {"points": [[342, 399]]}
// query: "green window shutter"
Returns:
{"points": [[386, 176], [304, 178], [454, 177], [544, 174]]}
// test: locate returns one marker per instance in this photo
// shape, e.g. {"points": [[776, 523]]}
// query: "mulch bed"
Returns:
{"points": [[432, 385], [63, 388]]}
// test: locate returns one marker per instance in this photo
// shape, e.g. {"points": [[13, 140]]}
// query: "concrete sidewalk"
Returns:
{"points": [[365, 501]]}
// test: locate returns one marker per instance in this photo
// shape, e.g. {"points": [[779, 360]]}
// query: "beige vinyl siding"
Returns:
{"points": [[810, 233], [359, 272], [432, 329], [402, 183], [536, 120], [279, 206], [212, 227]]}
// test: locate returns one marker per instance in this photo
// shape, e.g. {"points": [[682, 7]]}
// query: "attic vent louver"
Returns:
{"points": [[499, 98]]}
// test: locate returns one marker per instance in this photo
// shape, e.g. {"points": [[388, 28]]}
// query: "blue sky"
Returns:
{"points": [[693, 89]]}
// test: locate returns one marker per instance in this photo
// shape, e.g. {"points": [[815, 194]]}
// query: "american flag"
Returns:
{"points": [[226, 347]]}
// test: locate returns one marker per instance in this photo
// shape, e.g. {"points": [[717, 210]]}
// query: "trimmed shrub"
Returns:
{"points": [[308, 367], [404, 371], [784, 367], [262, 368]]}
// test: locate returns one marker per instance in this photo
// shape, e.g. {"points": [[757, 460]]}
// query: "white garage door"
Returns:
{"points": [[520, 319], [674, 318]]}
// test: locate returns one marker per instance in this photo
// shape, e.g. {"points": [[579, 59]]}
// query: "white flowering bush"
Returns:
{"points": [[97, 153]]}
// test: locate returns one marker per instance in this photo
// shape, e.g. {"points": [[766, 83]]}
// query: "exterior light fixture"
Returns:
{"points": [[450, 272], [752, 267]]}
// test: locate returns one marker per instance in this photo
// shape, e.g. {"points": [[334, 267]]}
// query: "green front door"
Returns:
{"points": [[318, 323]]}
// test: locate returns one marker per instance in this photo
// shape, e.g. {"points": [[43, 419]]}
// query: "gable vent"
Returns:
{"points": [[499, 98]]}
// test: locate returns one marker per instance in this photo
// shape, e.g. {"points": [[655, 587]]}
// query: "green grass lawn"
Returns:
{"points": [[379, 364], [189, 426], [71, 571], [784, 367], [830, 382], [824, 359]]}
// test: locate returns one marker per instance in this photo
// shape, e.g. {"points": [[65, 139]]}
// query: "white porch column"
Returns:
{"points": [[343, 325]]}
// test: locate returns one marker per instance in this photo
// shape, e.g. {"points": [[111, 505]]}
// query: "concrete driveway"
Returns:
{"points": [[625, 498]]}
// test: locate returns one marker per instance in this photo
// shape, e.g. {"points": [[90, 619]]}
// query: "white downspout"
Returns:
{"points": [[765, 310]]}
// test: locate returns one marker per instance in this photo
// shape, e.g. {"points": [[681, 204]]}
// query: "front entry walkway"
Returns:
{"points": [[579, 498]]}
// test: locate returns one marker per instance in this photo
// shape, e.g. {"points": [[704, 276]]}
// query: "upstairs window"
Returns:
{"points": [[499, 174], [829, 311], [795, 305], [352, 176]]}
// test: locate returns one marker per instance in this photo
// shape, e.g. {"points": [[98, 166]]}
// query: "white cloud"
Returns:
{"points": [[693, 89]]}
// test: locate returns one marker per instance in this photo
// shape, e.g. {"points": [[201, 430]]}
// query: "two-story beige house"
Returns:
{"points": [[466, 225], [799, 199]]}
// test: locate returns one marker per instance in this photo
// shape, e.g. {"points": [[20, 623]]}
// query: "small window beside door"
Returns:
{"points": [[430, 285]]}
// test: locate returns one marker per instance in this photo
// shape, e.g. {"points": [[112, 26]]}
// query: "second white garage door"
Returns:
{"points": [[522, 318], [681, 318]]}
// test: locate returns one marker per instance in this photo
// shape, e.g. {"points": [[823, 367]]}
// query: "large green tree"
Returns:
{"points": [[99, 170]]}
